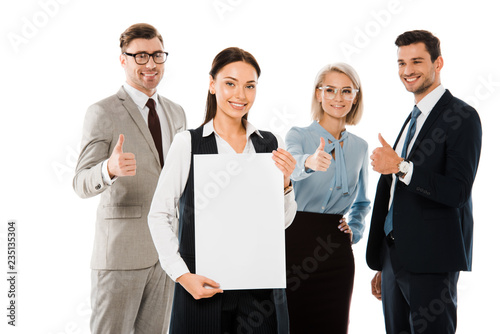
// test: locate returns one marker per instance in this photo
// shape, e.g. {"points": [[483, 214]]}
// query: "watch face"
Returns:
{"points": [[404, 166]]}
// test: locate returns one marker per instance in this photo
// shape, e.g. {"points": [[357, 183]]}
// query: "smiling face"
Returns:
{"points": [[416, 70], [145, 77], [338, 107], [234, 87]]}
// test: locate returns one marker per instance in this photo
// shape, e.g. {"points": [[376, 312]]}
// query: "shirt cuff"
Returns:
{"points": [[407, 178], [356, 236], [304, 168], [290, 208], [176, 269], [105, 175]]}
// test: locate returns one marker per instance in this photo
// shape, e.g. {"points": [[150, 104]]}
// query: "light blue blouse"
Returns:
{"points": [[339, 190]]}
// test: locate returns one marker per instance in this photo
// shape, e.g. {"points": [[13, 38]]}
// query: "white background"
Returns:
{"points": [[58, 57]]}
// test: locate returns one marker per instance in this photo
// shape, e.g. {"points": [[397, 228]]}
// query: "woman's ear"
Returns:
{"points": [[211, 85], [318, 95]]}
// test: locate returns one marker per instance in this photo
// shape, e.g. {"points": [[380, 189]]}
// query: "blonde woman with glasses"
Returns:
{"points": [[330, 180]]}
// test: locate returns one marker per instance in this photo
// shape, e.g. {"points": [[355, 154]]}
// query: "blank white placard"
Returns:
{"points": [[239, 220]]}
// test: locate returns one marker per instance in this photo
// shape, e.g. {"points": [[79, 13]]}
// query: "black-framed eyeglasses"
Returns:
{"points": [[142, 58]]}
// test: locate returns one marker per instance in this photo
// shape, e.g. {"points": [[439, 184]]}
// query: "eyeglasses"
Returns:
{"points": [[348, 93], [142, 58]]}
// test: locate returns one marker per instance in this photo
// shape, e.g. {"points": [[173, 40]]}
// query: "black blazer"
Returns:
{"points": [[432, 219]]}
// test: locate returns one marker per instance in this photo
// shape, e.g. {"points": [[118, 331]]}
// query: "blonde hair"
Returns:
{"points": [[354, 116]]}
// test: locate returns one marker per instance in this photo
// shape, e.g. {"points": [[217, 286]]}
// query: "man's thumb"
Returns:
{"points": [[382, 140], [118, 147]]}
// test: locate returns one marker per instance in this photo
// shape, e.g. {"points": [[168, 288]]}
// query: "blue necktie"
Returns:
{"points": [[409, 136]]}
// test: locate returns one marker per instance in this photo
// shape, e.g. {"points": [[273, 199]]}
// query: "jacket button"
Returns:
{"points": [[98, 187]]}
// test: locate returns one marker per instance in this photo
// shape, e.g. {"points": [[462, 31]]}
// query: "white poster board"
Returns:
{"points": [[239, 220]]}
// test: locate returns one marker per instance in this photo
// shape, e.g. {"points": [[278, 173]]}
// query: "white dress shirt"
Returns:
{"points": [[173, 179], [425, 106], [140, 99]]}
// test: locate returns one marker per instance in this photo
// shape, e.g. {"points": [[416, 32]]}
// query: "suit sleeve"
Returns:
{"points": [[96, 147], [453, 186], [379, 213], [184, 121]]}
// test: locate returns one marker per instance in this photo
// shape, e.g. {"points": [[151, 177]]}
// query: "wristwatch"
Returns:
{"points": [[404, 168]]}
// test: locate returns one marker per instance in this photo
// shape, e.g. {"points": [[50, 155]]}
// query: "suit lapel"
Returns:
{"points": [[431, 119], [134, 112], [170, 123]]}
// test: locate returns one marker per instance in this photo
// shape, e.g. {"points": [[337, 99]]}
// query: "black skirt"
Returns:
{"points": [[320, 274]]}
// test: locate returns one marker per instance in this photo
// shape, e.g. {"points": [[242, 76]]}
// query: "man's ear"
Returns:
{"points": [[438, 64], [123, 60]]}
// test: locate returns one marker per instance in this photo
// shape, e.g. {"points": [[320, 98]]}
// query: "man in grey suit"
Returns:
{"points": [[125, 139]]}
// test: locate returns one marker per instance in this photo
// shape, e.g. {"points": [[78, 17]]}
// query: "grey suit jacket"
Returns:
{"points": [[122, 238]]}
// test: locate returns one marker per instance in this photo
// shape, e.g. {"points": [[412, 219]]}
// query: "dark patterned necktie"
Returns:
{"points": [[154, 127]]}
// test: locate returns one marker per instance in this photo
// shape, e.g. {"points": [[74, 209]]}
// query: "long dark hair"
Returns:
{"points": [[225, 57]]}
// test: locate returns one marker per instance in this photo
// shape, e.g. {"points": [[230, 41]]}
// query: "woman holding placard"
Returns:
{"points": [[200, 306]]}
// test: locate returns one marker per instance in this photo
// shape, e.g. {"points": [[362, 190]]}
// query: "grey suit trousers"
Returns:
{"points": [[125, 299]]}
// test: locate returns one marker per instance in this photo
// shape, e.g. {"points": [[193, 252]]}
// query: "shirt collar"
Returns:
{"points": [[429, 101], [139, 98], [208, 129], [324, 133]]}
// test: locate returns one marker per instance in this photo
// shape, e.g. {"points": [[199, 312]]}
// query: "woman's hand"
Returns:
{"points": [[285, 162], [344, 227], [320, 160], [199, 286]]}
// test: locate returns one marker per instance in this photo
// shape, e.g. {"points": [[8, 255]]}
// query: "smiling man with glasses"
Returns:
{"points": [[125, 139]]}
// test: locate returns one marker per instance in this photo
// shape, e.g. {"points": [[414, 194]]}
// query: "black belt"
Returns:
{"points": [[390, 239]]}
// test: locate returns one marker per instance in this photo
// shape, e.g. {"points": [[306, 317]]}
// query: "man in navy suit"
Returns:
{"points": [[421, 228]]}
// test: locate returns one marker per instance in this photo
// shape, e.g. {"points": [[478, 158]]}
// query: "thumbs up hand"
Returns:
{"points": [[382, 141], [320, 160], [119, 163], [384, 159]]}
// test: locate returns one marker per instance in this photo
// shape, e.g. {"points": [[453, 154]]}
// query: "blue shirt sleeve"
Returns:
{"points": [[294, 139], [361, 205]]}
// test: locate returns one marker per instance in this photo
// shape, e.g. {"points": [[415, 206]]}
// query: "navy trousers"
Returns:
{"points": [[415, 302]]}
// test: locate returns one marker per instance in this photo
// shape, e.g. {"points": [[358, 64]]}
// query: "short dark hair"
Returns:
{"points": [[226, 57], [138, 30], [432, 43]]}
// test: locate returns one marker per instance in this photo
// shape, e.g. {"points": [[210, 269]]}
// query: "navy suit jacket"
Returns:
{"points": [[432, 219]]}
